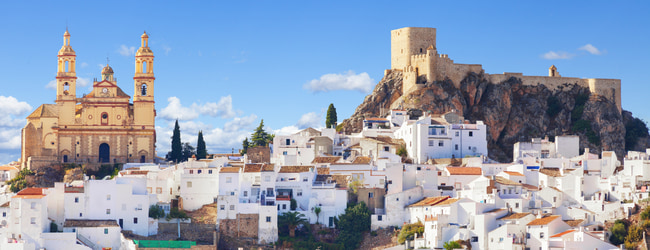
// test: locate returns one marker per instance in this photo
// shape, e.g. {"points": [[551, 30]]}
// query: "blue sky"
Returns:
{"points": [[222, 66]]}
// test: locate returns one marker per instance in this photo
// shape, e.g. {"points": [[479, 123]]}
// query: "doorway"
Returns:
{"points": [[104, 153]]}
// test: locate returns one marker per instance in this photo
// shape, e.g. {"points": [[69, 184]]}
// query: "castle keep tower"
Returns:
{"points": [[409, 41], [100, 127]]}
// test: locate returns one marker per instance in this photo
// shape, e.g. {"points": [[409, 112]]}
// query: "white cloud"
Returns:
{"points": [[51, 85], [239, 123], [167, 49], [591, 49], [310, 119], [288, 130], [175, 110], [346, 81], [552, 55], [12, 114], [83, 65], [221, 109], [126, 51]]}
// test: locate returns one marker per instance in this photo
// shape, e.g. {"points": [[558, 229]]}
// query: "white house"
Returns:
{"points": [[542, 228], [198, 186]]}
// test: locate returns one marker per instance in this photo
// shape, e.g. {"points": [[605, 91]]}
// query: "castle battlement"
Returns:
{"points": [[413, 51]]}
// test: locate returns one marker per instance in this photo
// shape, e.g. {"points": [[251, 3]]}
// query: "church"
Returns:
{"points": [[103, 126]]}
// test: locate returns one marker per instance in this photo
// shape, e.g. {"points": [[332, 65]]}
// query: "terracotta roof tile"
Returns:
{"points": [[429, 201], [430, 218], [543, 221], [514, 216], [513, 173], [268, 168], [252, 168], [6, 204], [563, 233], [574, 223], [464, 170], [323, 170], [341, 181], [229, 170], [45, 110], [495, 210], [31, 191], [553, 172], [530, 187], [326, 159], [295, 169], [504, 181], [362, 160], [447, 202], [7, 168]]}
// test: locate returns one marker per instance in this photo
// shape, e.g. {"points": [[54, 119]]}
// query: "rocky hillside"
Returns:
{"points": [[512, 112]]}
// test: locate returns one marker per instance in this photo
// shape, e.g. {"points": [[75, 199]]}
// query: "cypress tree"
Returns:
{"points": [[177, 148], [201, 151], [245, 144], [330, 119], [260, 137]]}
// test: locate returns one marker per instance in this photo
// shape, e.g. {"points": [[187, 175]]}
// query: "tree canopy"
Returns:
{"points": [[176, 153], [352, 224], [260, 137], [330, 119], [201, 151]]}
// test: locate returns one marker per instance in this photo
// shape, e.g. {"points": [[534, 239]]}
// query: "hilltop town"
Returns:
{"points": [[408, 178]]}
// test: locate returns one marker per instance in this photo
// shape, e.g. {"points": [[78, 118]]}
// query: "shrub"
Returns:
{"points": [[409, 230], [449, 245], [634, 129], [618, 233], [554, 106], [645, 215], [635, 234]]}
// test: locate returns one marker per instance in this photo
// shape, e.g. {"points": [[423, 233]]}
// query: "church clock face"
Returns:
{"points": [[105, 90]]}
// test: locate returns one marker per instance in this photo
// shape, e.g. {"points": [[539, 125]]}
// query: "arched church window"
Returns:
{"points": [[67, 66], [144, 66], [143, 90]]}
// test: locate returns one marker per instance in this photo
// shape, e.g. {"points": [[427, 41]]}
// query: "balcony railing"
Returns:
{"points": [[283, 198]]}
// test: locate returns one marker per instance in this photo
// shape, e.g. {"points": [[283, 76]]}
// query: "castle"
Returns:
{"points": [[414, 52], [100, 127]]}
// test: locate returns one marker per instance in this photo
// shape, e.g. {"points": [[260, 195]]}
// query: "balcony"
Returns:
{"points": [[283, 198]]}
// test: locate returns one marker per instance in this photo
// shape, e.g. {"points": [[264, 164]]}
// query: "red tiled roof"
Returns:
{"points": [[326, 159], [464, 170], [514, 216], [323, 170], [362, 160], [513, 173], [429, 201], [563, 233], [229, 170], [295, 169], [543, 221], [252, 168]]}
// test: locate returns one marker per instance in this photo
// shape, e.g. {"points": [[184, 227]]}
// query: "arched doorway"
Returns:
{"points": [[142, 159], [104, 153]]}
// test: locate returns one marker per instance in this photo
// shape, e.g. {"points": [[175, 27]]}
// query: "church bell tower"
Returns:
{"points": [[143, 101], [66, 82]]}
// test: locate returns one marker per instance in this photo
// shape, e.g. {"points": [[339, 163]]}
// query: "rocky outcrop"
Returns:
{"points": [[512, 112]]}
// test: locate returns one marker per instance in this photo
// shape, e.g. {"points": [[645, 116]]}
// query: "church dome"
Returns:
{"points": [[107, 70], [144, 35]]}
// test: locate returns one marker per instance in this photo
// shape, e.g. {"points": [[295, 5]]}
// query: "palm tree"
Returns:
{"points": [[317, 212], [292, 219]]}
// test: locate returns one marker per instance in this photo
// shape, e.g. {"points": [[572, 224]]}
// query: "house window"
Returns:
{"points": [[554, 199], [331, 221], [245, 193], [108, 197], [456, 147], [232, 207], [299, 192], [517, 205], [191, 171], [432, 131], [135, 220], [527, 235], [76, 199], [379, 217], [159, 190], [284, 206], [439, 173], [189, 184], [541, 235], [500, 239], [430, 143], [474, 238], [471, 133], [33, 220], [305, 179], [284, 152], [441, 143], [371, 195], [33, 205], [268, 218], [148, 190], [4, 214], [287, 142], [105, 230], [81, 214], [457, 133], [232, 193], [386, 148], [199, 171], [228, 179], [222, 207], [108, 211], [210, 171]]}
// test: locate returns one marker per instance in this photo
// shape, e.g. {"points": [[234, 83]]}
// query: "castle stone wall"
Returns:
{"points": [[410, 41]]}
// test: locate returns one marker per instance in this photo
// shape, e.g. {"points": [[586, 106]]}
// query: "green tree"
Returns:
{"points": [[634, 129], [352, 224], [156, 212], [187, 152], [618, 233], [449, 245], [260, 137], [293, 204], [245, 144], [179, 215], [330, 119], [409, 230], [635, 234], [317, 211], [201, 151], [176, 153], [291, 220]]}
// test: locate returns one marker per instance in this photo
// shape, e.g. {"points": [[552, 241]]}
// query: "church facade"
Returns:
{"points": [[103, 126]]}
